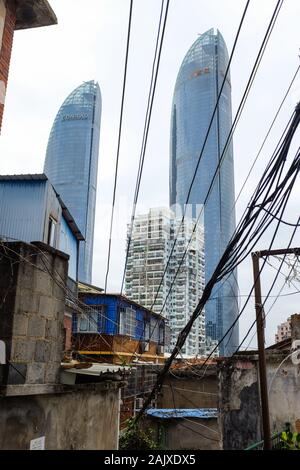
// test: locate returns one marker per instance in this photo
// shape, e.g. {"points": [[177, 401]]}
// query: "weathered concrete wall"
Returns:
{"points": [[284, 392], [189, 392], [239, 404], [295, 326], [191, 435], [32, 307], [186, 434], [68, 331], [240, 410], [85, 419]]}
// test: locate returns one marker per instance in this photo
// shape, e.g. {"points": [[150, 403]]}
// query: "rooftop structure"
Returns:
{"points": [[32, 211]]}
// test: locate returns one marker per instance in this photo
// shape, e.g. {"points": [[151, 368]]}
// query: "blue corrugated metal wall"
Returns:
{"points": [[112, 305], [22, 209], [139, 330], [68, 244]]}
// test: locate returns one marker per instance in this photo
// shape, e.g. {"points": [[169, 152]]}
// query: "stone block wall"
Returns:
{"points": [[32, 306]]}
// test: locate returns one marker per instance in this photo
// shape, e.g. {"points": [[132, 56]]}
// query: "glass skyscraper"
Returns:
{"points": [[72, 163], [198, 83]]}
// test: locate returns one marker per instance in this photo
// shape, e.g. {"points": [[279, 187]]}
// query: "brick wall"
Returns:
{"points": [[6, 49]]}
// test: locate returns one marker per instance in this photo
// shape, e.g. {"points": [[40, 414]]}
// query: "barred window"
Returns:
{"points": [[147, 330], [91, 320], [128, 321], [161, 334]]}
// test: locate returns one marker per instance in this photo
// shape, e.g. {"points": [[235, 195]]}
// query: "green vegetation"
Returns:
{"points": [[290, 440], [134, 438]]}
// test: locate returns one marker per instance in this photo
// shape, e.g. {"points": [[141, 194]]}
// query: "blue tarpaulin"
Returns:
{"points": [[170, 413]]}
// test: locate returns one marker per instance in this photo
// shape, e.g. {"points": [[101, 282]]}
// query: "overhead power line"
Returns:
{"points": [[269, 292], [273, 192], [151, 95], [119, 143], [207, 134], [229, 137]]}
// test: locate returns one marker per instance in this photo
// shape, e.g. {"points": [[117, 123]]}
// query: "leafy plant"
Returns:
{"points": [[290, 440], [134, 438]]}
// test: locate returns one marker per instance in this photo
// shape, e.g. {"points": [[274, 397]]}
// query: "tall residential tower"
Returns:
{"points": [[72, 163], [150, 248], [198, 83]]}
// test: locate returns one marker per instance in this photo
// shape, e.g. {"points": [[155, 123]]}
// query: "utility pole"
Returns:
{"points": [[260, 325]]}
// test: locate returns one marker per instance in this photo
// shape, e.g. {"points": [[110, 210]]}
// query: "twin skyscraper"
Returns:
{"points": [[72, 166], [72, 163]]}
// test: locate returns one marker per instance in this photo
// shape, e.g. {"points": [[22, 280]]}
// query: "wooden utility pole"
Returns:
{"points": [[260, 325]]}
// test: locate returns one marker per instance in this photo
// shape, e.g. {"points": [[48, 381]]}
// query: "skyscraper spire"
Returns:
{"points": [[72, 163], [196, 91]]}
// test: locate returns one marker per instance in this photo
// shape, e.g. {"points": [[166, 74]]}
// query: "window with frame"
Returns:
{"points": [[91, 320], [161, 333], [127, 321], [147, 330], [51, 238]]}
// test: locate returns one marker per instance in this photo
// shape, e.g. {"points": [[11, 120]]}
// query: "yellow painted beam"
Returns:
{"points": [[110, 353]]}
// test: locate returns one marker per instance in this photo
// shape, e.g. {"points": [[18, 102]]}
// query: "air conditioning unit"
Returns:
{"points": [[160, 350]]}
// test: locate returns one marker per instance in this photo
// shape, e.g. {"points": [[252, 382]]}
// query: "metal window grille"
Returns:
{"points": [[127, 321], [91, 321]]}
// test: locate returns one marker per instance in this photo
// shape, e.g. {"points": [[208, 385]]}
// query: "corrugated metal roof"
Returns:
{"points": [[173, 413], [98, 369]]}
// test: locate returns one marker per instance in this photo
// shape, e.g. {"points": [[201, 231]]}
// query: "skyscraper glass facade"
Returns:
{"points": [[72, 163], [198, 84]]}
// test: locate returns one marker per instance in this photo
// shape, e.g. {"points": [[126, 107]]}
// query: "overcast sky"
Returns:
{"points": [[89, 43]]}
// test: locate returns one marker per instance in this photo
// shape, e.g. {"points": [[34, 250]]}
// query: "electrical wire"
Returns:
{"points": [[272, 191], [268, 295], [151, 95], [191, 429], [229, 137], [200, 156], [119, 143], [236, 120]]}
